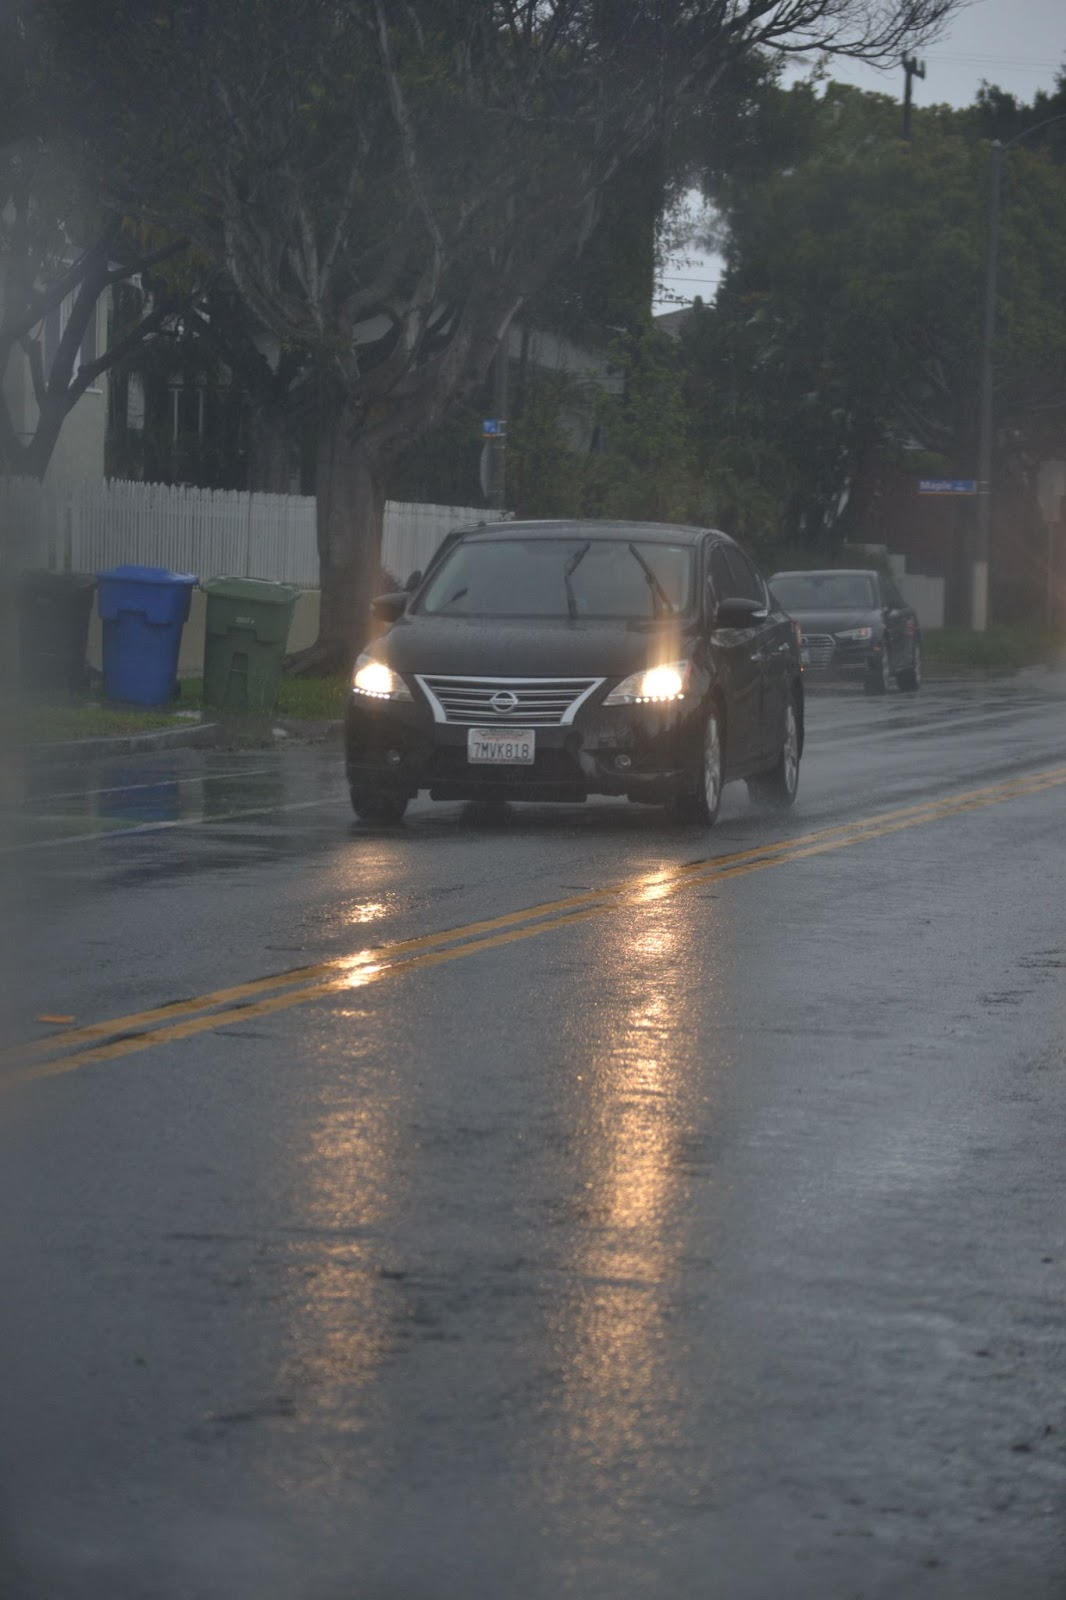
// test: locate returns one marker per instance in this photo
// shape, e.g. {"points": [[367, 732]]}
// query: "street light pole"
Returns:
{"points": [[983, 539]]}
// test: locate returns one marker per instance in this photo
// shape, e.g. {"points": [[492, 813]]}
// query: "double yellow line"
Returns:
{"points": [[122, 1036]]}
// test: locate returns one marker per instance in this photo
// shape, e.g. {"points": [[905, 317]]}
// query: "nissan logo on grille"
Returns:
{"points": [[503, 701]]}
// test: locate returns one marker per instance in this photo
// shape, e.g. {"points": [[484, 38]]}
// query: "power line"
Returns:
{"points": [[972, 58]]}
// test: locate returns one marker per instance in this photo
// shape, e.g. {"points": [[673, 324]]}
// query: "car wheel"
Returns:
{"points": [[375, 807], [910, 679], [701, 802], [777, 788], [879, 678]]}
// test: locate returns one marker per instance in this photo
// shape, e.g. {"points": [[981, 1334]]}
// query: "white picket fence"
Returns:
{"points": [[210, 532]]}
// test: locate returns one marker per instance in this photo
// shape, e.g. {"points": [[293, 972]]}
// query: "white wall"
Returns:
{"points": [[79, 451], [925, 595]]}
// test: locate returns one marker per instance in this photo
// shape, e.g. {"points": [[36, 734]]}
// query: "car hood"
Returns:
{"points": [[835, 621], [510, 649]]}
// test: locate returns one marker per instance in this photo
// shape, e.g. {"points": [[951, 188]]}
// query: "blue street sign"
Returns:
{"points": [[493, 427], [947, 486]]}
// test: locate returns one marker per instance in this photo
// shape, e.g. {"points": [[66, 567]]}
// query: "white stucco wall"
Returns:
{"points": [[79, 451]]}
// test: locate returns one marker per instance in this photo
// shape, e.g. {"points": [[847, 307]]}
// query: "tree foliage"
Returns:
{"points": [[384, 185], [848, 326], [61, 249]]}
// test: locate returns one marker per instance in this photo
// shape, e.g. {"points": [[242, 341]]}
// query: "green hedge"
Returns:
{"points": [[999, 648]]}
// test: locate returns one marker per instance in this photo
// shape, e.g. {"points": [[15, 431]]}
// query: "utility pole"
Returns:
{"points": [[912, 68], [983, 532], [497, 443], [982, 542]]}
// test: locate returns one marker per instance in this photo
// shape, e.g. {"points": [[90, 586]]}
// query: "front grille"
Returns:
{"points": [[525, 702], [820, 647]]}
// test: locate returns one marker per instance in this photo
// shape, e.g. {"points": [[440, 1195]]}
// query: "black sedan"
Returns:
{"points": [[556, 660], [855, 624]]}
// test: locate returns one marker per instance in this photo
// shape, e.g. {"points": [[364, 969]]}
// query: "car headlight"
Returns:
{"points": [[372, 677], [668, 682], [856, 633]]}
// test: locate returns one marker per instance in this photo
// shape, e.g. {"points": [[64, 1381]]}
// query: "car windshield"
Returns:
{"points": [[825, 591], [573, 578]]}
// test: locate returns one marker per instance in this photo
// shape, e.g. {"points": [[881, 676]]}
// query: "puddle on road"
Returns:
{"points": [[127, 800]]}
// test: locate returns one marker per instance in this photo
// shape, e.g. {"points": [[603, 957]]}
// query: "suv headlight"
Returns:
{"points": [[373, 678], [856, 633], [656, 684]]}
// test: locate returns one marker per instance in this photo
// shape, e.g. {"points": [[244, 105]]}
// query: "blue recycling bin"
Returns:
{"points": [[143, 611]]}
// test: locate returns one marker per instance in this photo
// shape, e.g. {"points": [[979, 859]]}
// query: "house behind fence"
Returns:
{"points": [[210, 532]]}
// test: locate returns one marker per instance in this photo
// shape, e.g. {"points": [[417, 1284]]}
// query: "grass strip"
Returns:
{"points": [[1000, 648], [302, 699]]}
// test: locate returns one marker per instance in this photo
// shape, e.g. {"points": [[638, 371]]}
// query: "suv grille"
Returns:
{"points": [[820, 647], [531, 702]]}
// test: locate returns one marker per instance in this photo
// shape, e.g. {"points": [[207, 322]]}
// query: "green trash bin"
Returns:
{"points": [[247, 627]]}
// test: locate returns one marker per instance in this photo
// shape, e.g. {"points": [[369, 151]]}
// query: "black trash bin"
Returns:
{"points": [[53, 611]]}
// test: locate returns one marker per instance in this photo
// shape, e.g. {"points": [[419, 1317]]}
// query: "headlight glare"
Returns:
{"points": [[655, 685], [373, 678]]}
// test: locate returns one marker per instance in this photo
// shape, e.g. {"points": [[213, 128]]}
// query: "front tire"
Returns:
{"points": [[910, 679], [879, 678], [777, 788], [700, 804], [375, 807]]}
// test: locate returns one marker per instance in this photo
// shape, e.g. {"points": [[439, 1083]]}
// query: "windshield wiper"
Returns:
{"points": [[660, 594], [568, 571]]}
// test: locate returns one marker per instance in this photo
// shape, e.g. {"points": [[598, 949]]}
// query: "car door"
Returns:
{"points": [[734, 652], [772, 652]]}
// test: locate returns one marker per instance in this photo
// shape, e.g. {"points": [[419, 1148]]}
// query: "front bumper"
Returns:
{"points": [[647, 752]]}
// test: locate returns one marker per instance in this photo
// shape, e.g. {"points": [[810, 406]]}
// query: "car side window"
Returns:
{"points": [[722, 579], [746, 581]]}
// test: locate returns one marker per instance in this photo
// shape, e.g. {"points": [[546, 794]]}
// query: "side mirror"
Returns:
{"points": [[739, 612], [413, 581], [388, 607]]}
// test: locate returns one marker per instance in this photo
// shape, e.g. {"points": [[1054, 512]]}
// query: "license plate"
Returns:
{"points": [[502, 746]]}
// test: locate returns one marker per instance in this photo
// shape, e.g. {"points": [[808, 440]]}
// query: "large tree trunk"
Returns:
{"points": [[353, 462], [350, 515]]}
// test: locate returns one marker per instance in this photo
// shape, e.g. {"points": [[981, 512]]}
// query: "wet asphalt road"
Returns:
{"points": [[562, 1204]]}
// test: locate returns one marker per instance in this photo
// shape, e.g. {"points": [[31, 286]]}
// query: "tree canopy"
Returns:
{"points": [[62, 245], [848, 324], [383, 186]]}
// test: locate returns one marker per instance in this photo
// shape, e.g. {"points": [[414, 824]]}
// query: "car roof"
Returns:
{"points": [[591, 528]]}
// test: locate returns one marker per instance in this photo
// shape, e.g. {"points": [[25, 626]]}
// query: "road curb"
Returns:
{"points": [[196, 734]]}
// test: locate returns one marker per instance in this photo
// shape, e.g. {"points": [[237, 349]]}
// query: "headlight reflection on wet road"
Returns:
{"points": [[338, 1323], [640, 1102]]}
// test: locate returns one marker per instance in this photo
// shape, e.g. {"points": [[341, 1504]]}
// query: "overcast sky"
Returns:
{"points": [[1019, 45]]}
